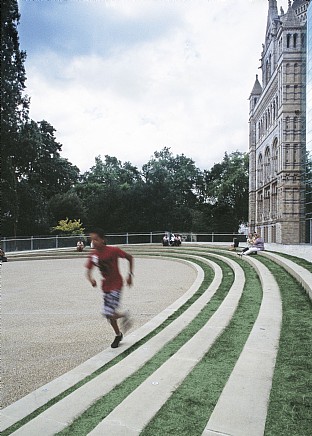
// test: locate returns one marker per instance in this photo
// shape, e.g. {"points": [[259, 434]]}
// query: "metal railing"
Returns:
{"points": [[29, 243]]}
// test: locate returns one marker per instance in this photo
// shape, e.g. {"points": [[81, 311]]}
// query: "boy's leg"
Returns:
{"points": [[114, 324], [111, 303], [126, 322]]}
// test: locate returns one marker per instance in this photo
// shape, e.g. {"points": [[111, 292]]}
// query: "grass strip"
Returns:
{"points": [[190, 406], [100, 409], [206, 282], [290, 406]]}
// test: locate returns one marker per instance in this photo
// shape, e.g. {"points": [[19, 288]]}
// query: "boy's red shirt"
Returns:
{"points": [[107, 261]]}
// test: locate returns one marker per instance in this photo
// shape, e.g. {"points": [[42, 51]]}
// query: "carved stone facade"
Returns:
{"points": [[309, 127], [277, 129]]}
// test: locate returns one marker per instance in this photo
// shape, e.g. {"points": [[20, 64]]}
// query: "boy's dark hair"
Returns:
{"points": [[99, 232]]}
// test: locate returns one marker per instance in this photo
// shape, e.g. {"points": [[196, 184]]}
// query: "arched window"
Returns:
{"points": [[260, 171], [287, 70], [267, 164], [288, 40], [267, 72], [287, 120], [295, 40], [274, 111], [275, 157], [295, 123]]}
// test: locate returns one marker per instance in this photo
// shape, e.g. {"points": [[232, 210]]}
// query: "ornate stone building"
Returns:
{"points": [[309, 126], [277, 129]]}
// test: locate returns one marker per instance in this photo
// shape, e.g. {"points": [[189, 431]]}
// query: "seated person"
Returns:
{"points": [[80, 245], [250, 240], [172, 239], [3, 258], [165, 240], [256, 245], [177, 240], [234, 245]]}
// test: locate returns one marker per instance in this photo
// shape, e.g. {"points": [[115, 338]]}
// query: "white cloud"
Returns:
{"points": [[186, 88]]}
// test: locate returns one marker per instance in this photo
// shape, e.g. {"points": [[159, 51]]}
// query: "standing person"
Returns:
{"points": [[105, 257]]}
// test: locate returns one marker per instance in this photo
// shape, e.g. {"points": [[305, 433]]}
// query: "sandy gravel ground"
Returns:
{"points": [[51, 319]]}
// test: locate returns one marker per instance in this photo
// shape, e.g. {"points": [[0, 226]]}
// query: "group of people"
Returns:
{"points": [[254, 244], [172, 239]]}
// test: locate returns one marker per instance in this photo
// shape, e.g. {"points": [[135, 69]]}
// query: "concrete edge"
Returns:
{"points": [[302, 275]]}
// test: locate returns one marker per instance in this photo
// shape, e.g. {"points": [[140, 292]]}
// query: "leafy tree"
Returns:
{"points": [[14, 109], [41, 174], [112, 172], [32, 168], [41, 163], [172, 184], [66, 204], [108, 194], [226, 193]]}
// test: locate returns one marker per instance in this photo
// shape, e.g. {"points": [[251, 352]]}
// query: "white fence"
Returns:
{"points": [[28, 243]]}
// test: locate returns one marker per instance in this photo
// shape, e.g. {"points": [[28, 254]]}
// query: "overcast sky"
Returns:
{"points": [[126, 78]]}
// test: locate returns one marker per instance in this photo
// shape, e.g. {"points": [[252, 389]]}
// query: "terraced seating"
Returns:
{"points": [[164, 354], [303, 276]]}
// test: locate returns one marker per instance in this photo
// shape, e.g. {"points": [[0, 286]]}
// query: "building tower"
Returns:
{"points": [[277, 129], [308, 211]]}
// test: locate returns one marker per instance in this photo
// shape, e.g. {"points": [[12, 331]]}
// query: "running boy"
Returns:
{"points": [[105, 257]]}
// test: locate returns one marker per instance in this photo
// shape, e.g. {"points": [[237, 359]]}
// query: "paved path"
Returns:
{"points": [[49, 312]]}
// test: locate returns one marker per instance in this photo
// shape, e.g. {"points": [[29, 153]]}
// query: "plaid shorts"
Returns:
{"points": [[111, 303]]}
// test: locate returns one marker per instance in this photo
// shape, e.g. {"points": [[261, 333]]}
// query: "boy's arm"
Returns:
{"points": [[131, 266], [89, 276]]}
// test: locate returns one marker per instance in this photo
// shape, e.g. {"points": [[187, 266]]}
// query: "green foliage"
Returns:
{"points": [[14, 111], [69, 227], [32, 168], [41, 173], [172, 184], [112, 172], [169, 193], [66, 204], [226, 192]]}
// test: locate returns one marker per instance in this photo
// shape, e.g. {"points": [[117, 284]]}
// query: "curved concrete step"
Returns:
{"points": [[135, 412], [302, 275], [242, 407]]}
